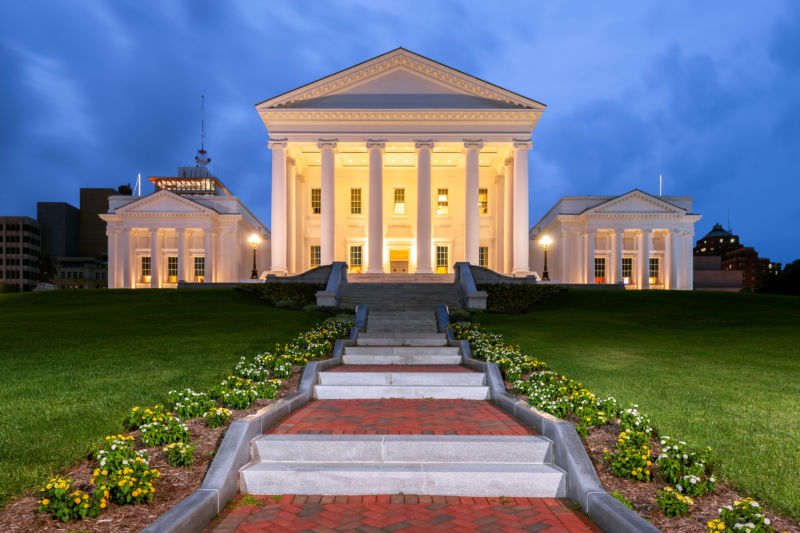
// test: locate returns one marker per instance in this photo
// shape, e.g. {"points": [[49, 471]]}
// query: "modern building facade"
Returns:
{"points": [[190, 229], [734, 256], [400, 164], [60, 223], [94, 201], [20, 248], [637, 239]]}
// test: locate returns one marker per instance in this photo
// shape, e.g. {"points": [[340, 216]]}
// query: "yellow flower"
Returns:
{"points": [[77, 500], [45, 501], [104, 472], [102, 505]]}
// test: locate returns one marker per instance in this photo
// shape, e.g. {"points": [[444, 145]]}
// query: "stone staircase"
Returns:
{"points": [[400, 296], [465, 465]]}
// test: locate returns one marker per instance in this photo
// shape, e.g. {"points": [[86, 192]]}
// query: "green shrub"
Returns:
{"points": [[518, 297], [216, 417], [460, 315], [673, 503], [622, 499], [179, 454], [745, 515], [56, 499], [299, 294]]}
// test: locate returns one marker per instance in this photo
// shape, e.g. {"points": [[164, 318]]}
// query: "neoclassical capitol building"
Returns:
{"points": [[401, 165]]}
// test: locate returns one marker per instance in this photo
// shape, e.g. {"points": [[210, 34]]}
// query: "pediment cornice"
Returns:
{"points": [[186, 207], [616, 206]]}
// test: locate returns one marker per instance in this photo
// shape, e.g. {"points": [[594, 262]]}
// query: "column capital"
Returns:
{"points": [[423, 144], [376, 143], [523, 143], [473, 144], [277, 143], [327, 143]]}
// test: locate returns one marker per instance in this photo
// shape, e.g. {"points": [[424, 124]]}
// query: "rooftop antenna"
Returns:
{"points": [[201, 158], [659, 184], [137, 191]]}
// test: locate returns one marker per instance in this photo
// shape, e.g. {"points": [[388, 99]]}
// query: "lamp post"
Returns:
{"points": [[254, 241], [545, 243]]}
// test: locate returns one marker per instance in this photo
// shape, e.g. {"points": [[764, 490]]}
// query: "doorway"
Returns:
{"points": [[398, 261]]}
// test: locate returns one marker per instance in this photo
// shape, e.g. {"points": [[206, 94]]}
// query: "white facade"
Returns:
{"points": [[156, 240], [641, 240], [400, 164]]}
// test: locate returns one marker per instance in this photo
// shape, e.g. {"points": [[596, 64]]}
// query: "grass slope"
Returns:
{"points": [[73, 363], [713, 369]]}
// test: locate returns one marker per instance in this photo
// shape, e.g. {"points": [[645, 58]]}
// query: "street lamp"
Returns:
{"points": [[545, 243], [254, 241]]}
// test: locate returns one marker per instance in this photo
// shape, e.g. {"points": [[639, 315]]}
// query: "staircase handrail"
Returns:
{"points": [[470, 295], [333, 289]]}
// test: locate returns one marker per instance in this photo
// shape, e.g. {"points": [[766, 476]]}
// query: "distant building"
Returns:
{"points": [[190, 229], [733, 256], [81, 273], [60, 223], [93, 239], [709, 276], [20, 247]]}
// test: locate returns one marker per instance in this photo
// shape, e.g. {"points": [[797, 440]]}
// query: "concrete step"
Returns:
{"points": [[407, 392], [402, 350], [387, 339], [463, 479], [389, 378], [403, 448], [401, 359]]}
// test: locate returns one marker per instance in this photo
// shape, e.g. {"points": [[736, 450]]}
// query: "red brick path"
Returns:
{"points": [[400, 368], [398, 512], [401, 417]]}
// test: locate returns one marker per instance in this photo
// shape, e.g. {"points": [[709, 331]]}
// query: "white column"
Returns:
{"points": [[590, 245], [209, 254], [644, 254], [375, 235], [688, 259], [564, 244], [181, 254], [278, 226], [155, 259], [424, 149], [291, 222], [496, 213], [471, 223], [508, 216], [301, 208], [618, 247], [327, 238], [521, 223], [126, 258], [111, 277], [669, 260]]}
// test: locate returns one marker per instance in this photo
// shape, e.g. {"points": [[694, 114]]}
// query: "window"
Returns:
{"points": [[315, 256], [627, 269], [442, 206], [355, 201], [200, 268], [172, 269], [483, 201], [355, 258], [442, 259], [599, 269], [399, 201], [316, 201], [146, 268], [483, 256], [654, 270]]}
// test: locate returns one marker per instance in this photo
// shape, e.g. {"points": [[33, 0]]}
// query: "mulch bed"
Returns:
{"points": [[643, 495], [173, 486]]}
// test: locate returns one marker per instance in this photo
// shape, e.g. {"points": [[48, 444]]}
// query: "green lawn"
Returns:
{"points": [[713, 369], [73, 363]]}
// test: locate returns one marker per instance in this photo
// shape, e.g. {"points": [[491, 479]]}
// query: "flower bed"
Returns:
{"points": [[122, 474], [639, 455]]}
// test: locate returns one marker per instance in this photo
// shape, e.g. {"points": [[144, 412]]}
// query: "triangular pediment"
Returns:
{"points": [[400, 79], [635, 202], [164, 202]]}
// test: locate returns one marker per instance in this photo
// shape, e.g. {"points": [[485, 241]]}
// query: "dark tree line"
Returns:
{"points": [[785, 282]]}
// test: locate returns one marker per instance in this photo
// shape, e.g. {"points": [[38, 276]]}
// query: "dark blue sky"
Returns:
{"points": [[708, 94]]}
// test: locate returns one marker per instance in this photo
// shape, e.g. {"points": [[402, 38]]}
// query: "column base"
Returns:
{"points": [[519, 273], [375, 270], [423, 271]]}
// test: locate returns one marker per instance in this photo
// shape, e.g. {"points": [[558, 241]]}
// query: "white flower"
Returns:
{"points": [[767, 521], [680, 489], [754, 504], [712, 480]]}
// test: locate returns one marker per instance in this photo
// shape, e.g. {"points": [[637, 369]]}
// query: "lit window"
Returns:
{"points": [[599, 269], [315, 256], [627, 269], [720, 240], [355, 201], [200, 269], [172, 269], [442, 206], [146, 268], [442, 259], [355, 258], [399, 201], [316, 201], [483, 256], [483, 201], [654, 270], [731, 239]]}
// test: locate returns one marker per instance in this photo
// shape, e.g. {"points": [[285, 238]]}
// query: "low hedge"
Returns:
{"points": [[297, 293], [518, 297]]}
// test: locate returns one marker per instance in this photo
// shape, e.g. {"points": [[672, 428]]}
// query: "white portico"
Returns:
{"points": [[400, 164], [640, 240]]}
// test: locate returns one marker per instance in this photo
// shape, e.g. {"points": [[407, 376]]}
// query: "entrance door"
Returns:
{"points": [[398, 261]]}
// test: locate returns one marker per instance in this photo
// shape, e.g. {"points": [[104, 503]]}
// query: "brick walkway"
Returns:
{"points": [[400, 368], [407, 513], [401, 417]]}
